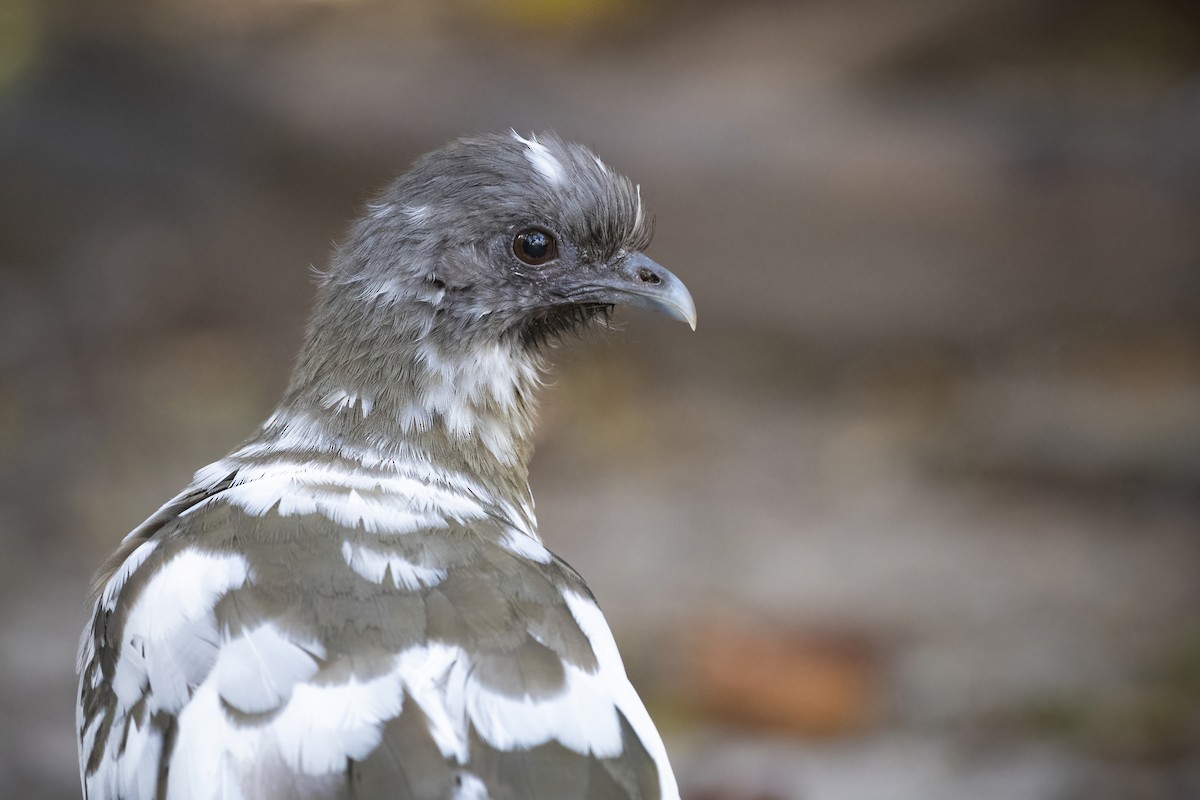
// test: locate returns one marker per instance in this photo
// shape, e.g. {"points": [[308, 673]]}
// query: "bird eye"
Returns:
{"points": [[535, 246]]}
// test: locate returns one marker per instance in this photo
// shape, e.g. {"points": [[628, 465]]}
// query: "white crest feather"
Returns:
{"points": [[542, 159]]}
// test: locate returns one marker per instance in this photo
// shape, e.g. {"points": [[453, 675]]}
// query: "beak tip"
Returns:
{"points": [[689, 312], [666, 294], [678, 306]]}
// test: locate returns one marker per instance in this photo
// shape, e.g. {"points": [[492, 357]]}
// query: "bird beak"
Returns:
{"points": [[638, 281]]}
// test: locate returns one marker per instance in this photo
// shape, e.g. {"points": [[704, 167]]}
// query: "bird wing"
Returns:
{"points": [[257, 655]]}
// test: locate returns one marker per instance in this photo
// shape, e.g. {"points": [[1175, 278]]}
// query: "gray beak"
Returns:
{"points": [[638, 281]]}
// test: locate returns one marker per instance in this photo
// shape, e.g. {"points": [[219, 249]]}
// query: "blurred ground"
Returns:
{"points": [[934, 448]]}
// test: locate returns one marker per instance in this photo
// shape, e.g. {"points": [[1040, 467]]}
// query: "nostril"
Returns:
{"points": [[646, 276]]}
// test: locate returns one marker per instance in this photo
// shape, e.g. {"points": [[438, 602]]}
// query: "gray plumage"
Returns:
{"points": [[355, 603]]}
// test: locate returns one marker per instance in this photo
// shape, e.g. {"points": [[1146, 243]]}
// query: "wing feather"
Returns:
{"points": [[271, 656]]}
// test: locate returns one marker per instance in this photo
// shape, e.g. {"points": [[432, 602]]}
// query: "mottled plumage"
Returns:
{"points": [[356, 602]]}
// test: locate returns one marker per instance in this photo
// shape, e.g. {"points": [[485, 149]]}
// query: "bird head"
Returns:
{"points": [[429, 322], [506, 238]]}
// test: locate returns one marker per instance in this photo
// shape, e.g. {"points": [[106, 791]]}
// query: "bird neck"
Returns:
{"points": [[376, 392]]}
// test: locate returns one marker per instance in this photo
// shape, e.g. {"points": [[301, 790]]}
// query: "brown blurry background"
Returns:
{"points": [[915, 513]]}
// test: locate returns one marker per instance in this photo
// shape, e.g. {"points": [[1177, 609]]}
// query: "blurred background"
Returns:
{"points": [[915, 513]]}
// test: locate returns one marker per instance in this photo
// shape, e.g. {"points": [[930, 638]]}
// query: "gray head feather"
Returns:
{"points": [[440, 237], [427, 310]]}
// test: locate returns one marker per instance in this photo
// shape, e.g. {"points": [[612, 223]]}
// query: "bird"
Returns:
{"points": [[356, 602]]}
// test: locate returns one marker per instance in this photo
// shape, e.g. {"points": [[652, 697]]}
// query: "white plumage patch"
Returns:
{"points": [[323, 725], [108, 597], [391, 492], [169, 644], [374, 501], [612, 672], [582, 717], [542, 160], [107, 602], [256, 672], [375, 565], [344, 400], [427, 671], [170, 635], [458, 389], [209, 750], [143, 746], [442, 680], [526, 546], [320, 727]]}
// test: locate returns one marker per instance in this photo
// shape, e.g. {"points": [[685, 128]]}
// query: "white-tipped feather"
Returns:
{"points": [[319, 728], [324, 725], [612, 672], [256, 672], [208, 477], [525, 546], [438, 689], [108, 596], [170, 642], [456, 389], [345, 400], [206, 762], [582, 717], [443, 681], [170, 635], [542, 159], [375, 565], [131, 780], [377, 501]]}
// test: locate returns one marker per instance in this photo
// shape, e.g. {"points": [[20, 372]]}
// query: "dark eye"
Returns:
{"points": [[535, 246]]}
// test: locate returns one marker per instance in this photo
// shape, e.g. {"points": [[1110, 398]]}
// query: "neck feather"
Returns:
{"points": [[380, 386]]}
